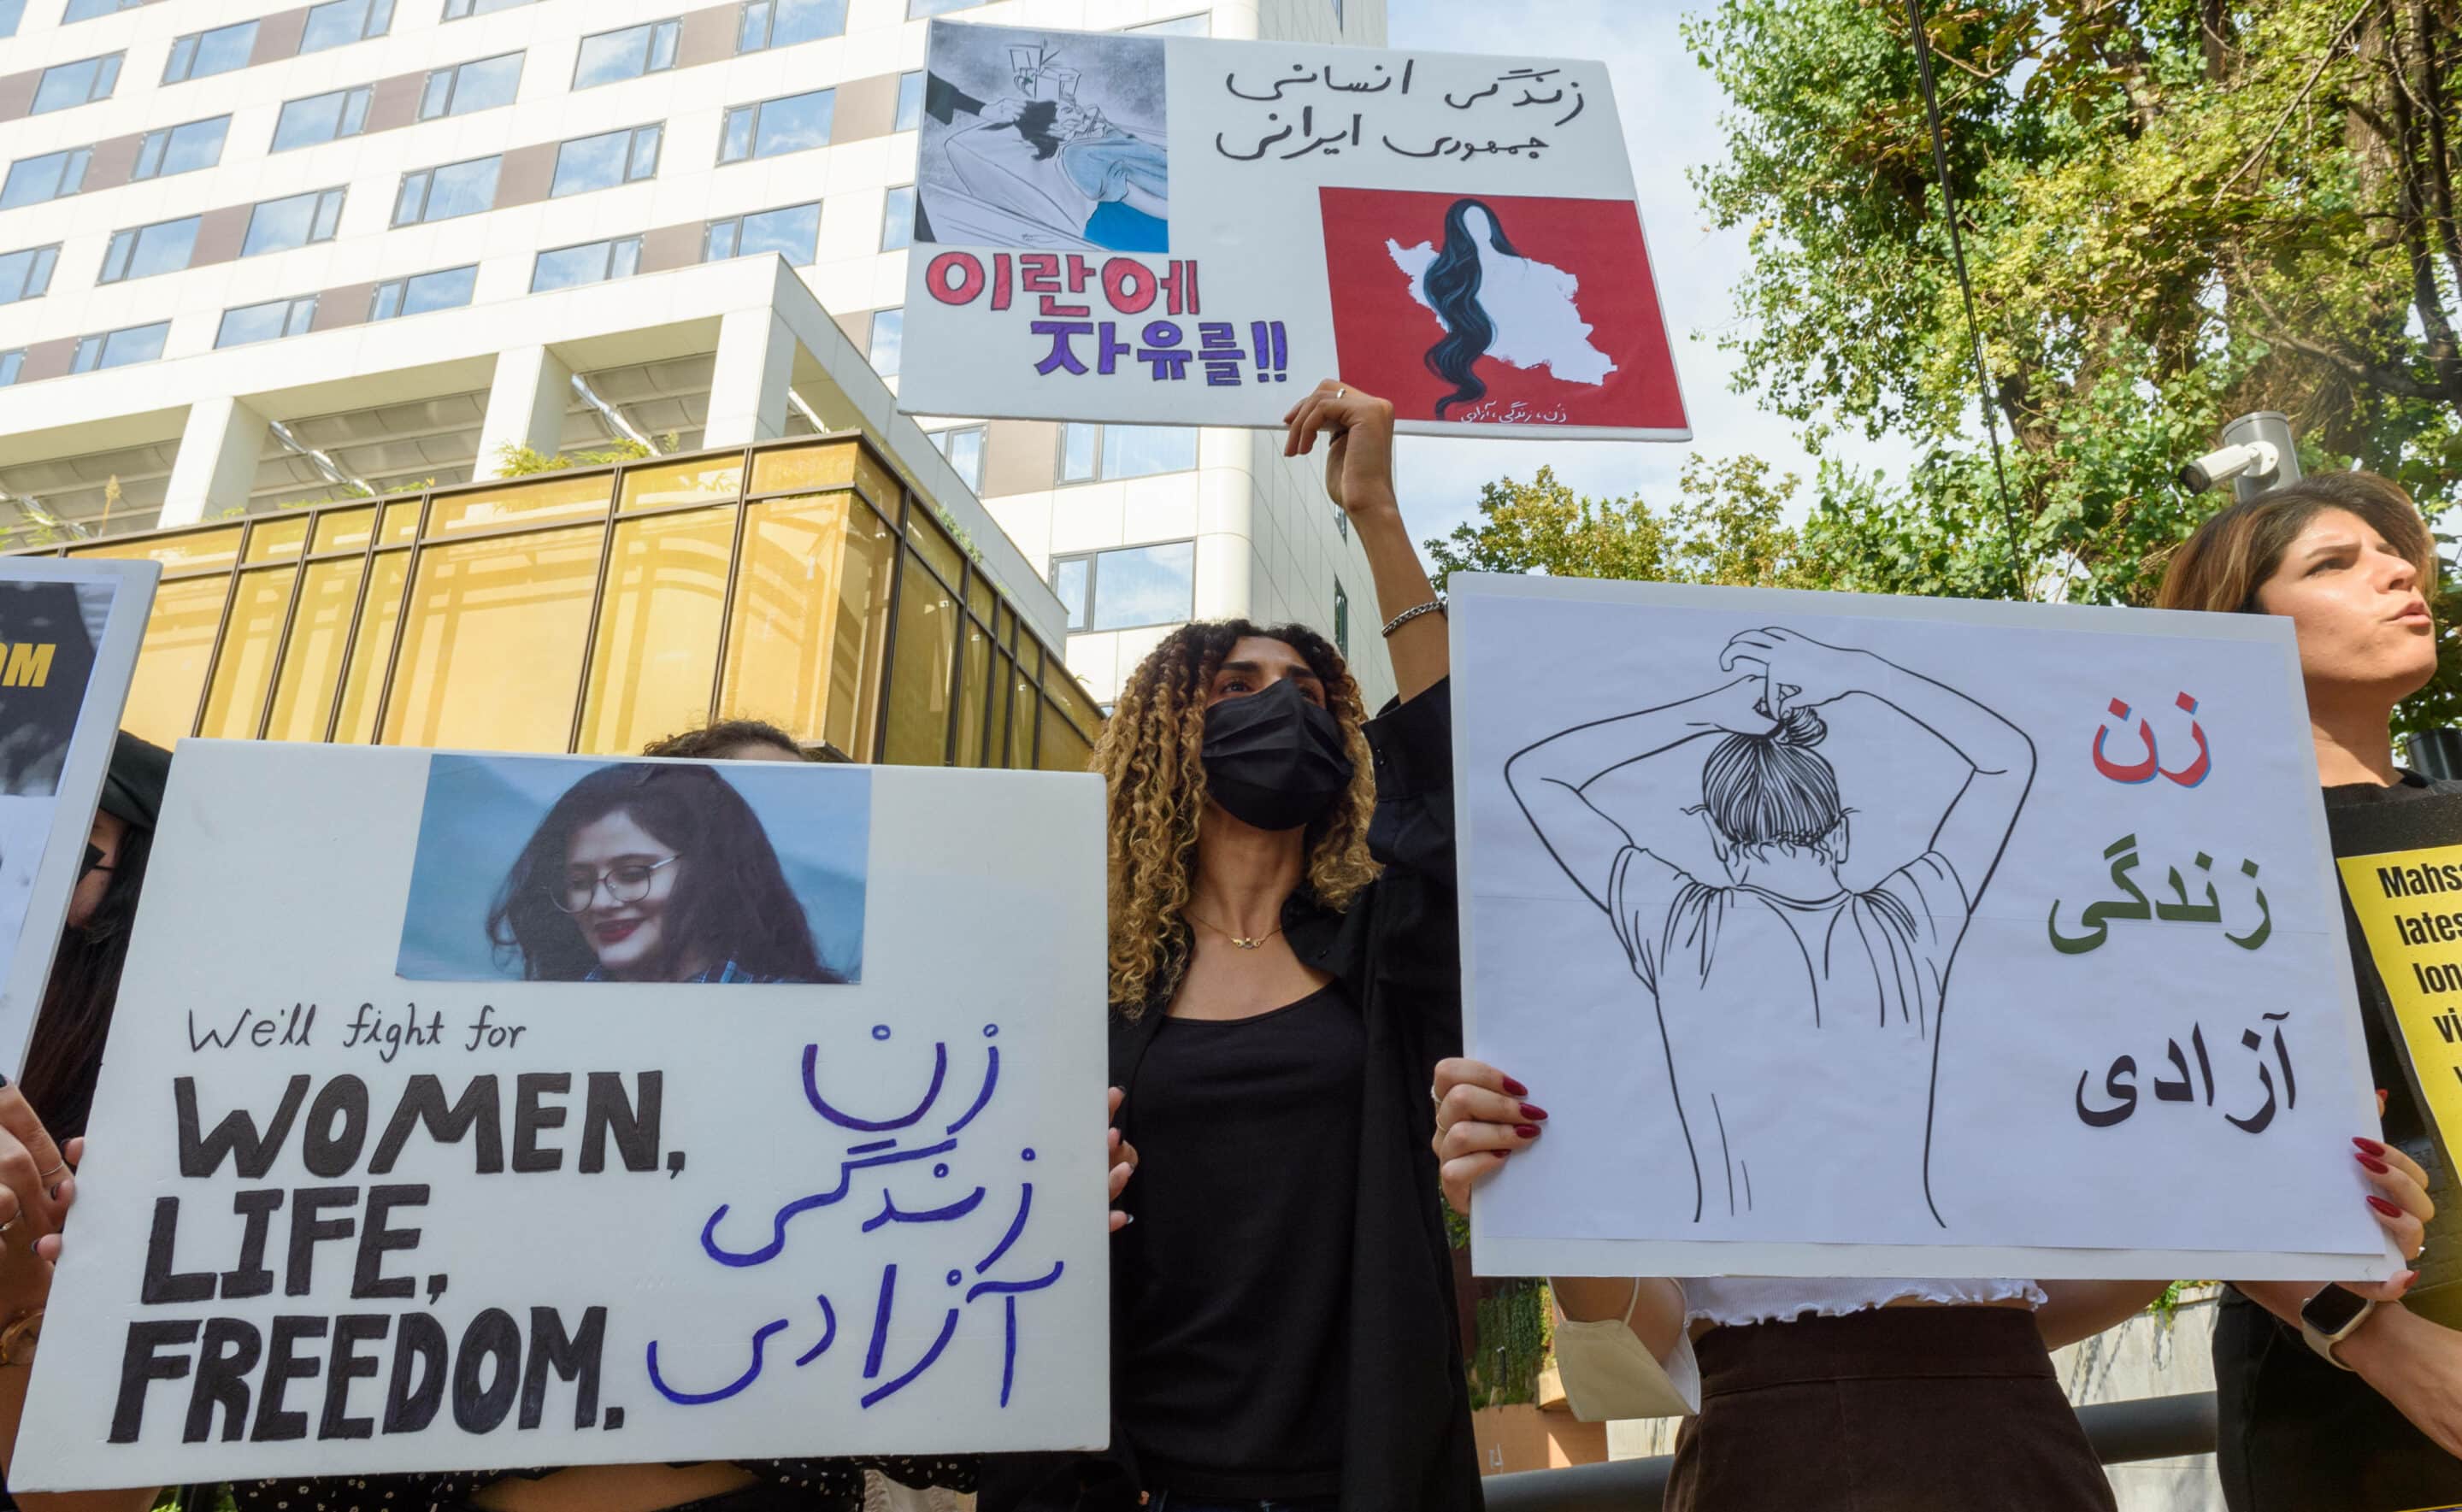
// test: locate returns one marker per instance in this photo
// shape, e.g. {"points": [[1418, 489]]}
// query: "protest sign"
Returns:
{"points": [[69, 633], [1183, 231], [1853, 936], [476, 1112]]}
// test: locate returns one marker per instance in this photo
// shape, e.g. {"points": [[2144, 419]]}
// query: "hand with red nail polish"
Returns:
{"points": [[1480, 1121], [2400, 1203]]}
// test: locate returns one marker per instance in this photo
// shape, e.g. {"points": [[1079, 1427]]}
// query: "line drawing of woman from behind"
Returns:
{"points": [[1493, 302], [653, 872], [1789, 1005]]}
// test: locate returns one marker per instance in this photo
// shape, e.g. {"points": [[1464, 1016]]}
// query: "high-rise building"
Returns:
{"points": [[257, 265]]}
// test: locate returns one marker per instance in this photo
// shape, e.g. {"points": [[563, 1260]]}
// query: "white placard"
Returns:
{"points": [[845, 1195], [68, 634], [1980, 977], [1142, 229]]}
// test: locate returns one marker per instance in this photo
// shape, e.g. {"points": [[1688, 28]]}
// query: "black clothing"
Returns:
{"points": [[1406, 1444], [787, 1485], [2294, 1433], [1235, 1360], [133, 784]]}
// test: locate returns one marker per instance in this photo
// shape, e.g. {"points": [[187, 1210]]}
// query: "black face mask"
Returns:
{"points": [[1273, 759]]}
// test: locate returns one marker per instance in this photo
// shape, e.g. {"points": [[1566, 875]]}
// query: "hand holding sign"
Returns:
{"points": [[1358, 468]]}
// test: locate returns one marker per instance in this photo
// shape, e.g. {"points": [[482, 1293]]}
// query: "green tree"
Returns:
{"points": [[1726, 526]]}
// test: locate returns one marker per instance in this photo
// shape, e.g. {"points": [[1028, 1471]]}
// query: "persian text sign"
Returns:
{"points": [[490, 1110], [1175, 230]]}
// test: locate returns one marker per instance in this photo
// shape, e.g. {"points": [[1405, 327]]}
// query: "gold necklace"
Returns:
{"points": [[1238, 942]]}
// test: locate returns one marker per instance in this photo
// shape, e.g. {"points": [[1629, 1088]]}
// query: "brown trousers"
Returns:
{"points": [[1892, 1410]]}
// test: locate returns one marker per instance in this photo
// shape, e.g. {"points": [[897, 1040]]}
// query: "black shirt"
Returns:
{"points": [[1233, 1368]]}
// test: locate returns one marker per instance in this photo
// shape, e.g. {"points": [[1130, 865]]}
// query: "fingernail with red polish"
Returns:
{"points": [[2376, 1165], [2370, 1146], [1514, 1089], [1531, 1132], [1534, 1112], [2384, 1207]]}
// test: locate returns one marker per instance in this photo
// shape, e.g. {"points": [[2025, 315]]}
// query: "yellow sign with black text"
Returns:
{"points": [[2409, 906]]}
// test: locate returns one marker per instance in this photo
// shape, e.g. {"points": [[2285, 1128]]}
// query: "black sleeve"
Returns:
{"points": [[1413, 946]]}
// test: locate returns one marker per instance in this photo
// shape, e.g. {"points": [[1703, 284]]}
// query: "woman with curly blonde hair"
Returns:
{"points": [[1284, 976]]}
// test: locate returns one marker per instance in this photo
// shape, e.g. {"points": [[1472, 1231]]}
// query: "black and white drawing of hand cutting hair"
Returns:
{"points": [[1800, 1016]]}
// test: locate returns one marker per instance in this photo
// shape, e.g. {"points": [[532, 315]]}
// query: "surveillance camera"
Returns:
{"points": [[2257, 459]]}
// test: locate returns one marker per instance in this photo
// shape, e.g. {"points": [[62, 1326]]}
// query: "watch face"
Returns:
{"points": [[2333, 1310]]}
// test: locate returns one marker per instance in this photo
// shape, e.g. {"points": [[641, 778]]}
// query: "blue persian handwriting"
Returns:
{"points": [[2120, 1081], [2097, 918], [2148, 768], [876, 1151]]}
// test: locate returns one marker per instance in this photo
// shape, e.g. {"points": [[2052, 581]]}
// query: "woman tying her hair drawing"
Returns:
{"points": [[1781, 973]]}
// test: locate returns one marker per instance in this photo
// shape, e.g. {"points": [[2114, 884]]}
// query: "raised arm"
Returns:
{"points": [[1359, 475], [1550, 779], [1802, 672]]}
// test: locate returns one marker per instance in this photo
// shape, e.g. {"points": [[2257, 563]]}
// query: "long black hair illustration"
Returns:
{"points": [[1451, 284]]}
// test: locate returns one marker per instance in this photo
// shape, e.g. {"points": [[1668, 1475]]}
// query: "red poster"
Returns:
{"points": [[1500, 309]]}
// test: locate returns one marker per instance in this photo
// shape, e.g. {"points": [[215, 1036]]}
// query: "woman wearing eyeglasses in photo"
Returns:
{"points": [[653, 874]]}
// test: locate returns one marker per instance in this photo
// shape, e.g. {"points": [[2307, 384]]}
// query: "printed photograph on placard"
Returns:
{"points": [[1044, 140], [47, 634], [553, 869]]}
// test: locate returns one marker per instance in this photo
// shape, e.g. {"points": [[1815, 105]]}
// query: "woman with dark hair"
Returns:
{"points": [[2371, 1417], [1284, 974], [730, 739], [1495, 303], [645, 873]]}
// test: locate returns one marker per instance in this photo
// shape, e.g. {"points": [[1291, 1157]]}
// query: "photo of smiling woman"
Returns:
{"points": [[538, 868]]}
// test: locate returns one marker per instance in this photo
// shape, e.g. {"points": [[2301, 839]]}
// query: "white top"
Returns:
{"points": [[1780, 1299]]}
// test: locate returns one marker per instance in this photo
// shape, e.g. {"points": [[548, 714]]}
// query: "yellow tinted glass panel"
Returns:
{"points": [[312, 664], [1064, 750], [1030, 656], [878, 482], [831, 464], [937, 547], [972, 687], [1003, 677], [171, 662], [811, 619], [400, 522], [979, 597], [657, 630], [1079, 705], [532, 501], [344, 529], [246, 666], [378, 619], [278, 539], [193, 551], [918, 677], [711, 479], [492, 643]]}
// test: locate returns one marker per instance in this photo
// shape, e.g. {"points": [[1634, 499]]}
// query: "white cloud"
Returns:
{"points": [[1669, 108]]}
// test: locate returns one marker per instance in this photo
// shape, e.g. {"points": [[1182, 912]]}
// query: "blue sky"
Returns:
{"points": [[1671, 110]]}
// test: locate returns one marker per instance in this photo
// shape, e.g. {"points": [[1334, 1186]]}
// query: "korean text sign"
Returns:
{"points": [[1177, 231], [1846, 934], [474, 1111]]}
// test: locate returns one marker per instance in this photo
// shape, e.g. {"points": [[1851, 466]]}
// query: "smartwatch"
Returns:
{"points": [[2331, 1316]]}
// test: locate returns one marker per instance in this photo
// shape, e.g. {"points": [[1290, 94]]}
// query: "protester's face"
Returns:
{"points": [[86, 899], [1257, 664], [2356, 606], [628, 933], [755, 750]]}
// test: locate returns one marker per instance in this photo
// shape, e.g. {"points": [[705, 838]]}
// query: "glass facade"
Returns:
{"points": [[597, 611]]}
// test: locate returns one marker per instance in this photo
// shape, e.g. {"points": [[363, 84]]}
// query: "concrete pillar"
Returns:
{"points": [[215, 469], [526, 407], [747, 392]]}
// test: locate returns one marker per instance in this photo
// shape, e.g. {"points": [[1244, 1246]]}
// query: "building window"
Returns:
{"points": [[793, 234], [181, 149], [323, 117], [463, 10], [202, 54], [606, 161], [888, 336], [592, 263], [611, 57], [339, 23], [963, 446], [277, 226], [270, 321], [1341, 621], [917, 9], [897, 219], [447, 288], [1177, 26], [11, 362], [788, 124], [784, 23], [27, 275], [441, 194], [12, 12], [1337, 13], [88, 10], [1090, 453], [64, 86], [52, 176], [910, 102], [118, 348], [482, 84], [1341, 523], [1129, 588], [161, 248]]}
